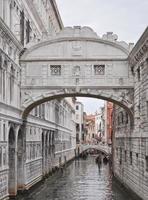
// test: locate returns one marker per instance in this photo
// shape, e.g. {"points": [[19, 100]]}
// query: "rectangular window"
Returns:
{"points": [[55, 70], [125, 156], [137, 159], [4, 132], [99, 69], [28, 31], [22, 18], [126, 118], [146, 162], [117, 152], [131, 158], [77, 107], [120, 156]]}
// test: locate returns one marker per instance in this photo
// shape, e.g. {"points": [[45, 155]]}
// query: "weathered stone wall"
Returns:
{"points": [[131, 146]]}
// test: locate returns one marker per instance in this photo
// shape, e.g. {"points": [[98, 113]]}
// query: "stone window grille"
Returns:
{"points": [[99, 69], [55, 70], [146, 160]]}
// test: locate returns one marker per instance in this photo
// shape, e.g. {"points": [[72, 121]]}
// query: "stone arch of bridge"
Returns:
{"points": [[98, 149], [118, 97]]}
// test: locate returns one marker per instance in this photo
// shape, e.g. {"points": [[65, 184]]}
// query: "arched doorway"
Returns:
{"points": [[12, 189], [20, 161]]}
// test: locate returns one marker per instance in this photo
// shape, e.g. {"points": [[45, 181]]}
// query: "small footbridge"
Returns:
{"points": [[100, 147]]}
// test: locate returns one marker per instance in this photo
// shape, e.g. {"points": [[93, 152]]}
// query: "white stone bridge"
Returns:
{"points": [[77, 62], [102, 148]]}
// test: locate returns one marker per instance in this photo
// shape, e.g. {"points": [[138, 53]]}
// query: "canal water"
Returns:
{"points": [[81, 180]]}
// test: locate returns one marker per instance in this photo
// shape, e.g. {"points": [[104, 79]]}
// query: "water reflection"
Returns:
{"points": [[82, 180]]}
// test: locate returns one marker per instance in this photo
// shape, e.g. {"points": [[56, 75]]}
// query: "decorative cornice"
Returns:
{"points": [[5, 31], [57, 14], [58, 39], [140, 49], [32, 8], [74, 59]]}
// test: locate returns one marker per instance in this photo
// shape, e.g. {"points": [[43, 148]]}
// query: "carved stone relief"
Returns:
{"points": [[76, 70], [76, 48]]}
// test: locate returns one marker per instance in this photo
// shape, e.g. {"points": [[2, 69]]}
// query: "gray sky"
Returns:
{"points": [[127, 18]]}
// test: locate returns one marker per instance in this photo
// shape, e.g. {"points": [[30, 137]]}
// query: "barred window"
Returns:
{"points": [[99, 69], [55, 70]]}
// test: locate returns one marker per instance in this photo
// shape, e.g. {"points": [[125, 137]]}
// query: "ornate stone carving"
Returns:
{"points": [[76, 70], [76, 48], [99, 69]]}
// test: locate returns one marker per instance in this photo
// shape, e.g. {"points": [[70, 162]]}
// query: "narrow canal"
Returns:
{"points": [[81, 180]]}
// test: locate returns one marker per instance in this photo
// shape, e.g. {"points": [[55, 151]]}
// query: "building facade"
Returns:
{"points": [[100, 124], [48, 138], [130, 143], [79, 114], [92, 136], [108, 123]]}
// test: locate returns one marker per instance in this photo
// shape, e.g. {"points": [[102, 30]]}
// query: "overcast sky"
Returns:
{"points": [[127, 18]]}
